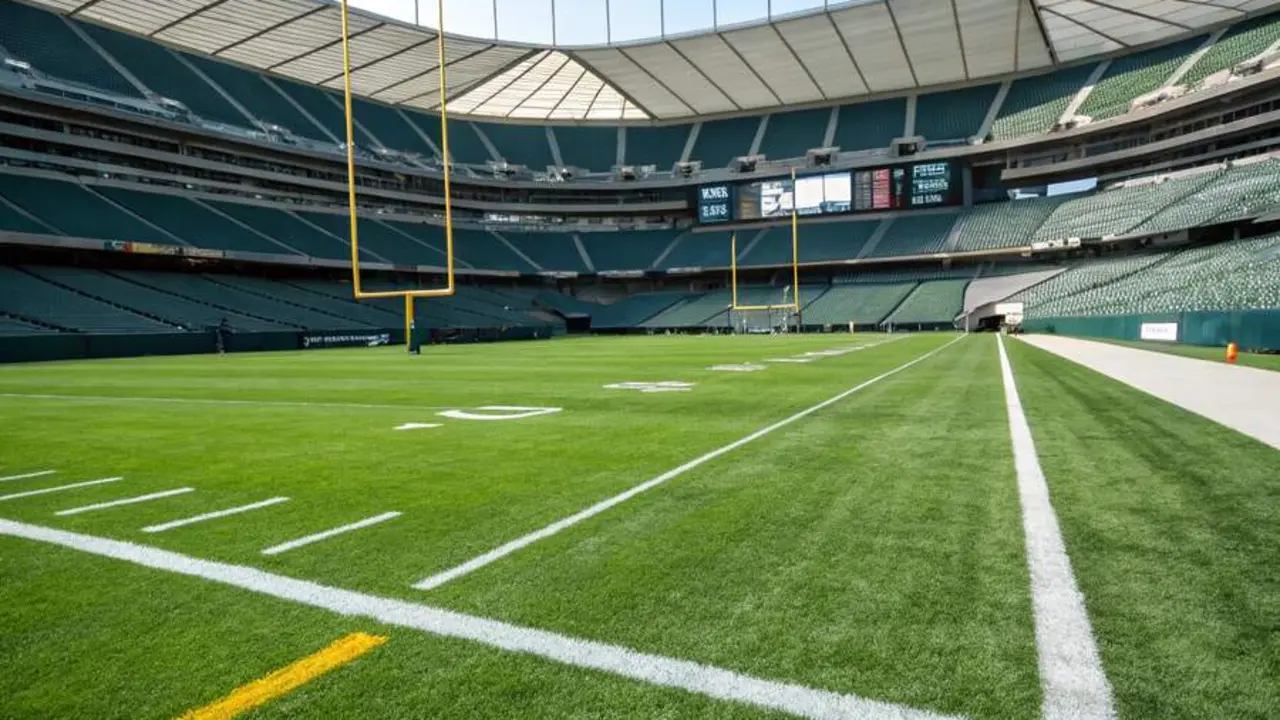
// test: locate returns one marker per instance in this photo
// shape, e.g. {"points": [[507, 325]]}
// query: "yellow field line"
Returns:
{"points": [[287, 679]]}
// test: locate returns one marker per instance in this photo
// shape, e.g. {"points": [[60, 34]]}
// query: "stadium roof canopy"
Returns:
{"points": [[834, 51]]}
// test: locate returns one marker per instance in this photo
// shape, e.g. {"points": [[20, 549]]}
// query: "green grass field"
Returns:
{"points": [[872, 548]]}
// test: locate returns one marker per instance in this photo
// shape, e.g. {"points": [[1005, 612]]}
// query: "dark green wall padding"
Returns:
{"points": [[1252, 330]]}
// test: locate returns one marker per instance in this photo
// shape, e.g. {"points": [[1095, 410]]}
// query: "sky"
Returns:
{"points": [[586, 22]]}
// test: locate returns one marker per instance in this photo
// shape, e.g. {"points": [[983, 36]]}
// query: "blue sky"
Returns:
{"points": [[585, 22]]}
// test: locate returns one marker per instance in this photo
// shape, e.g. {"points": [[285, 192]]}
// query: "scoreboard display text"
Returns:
{"points": [[899, 187]]}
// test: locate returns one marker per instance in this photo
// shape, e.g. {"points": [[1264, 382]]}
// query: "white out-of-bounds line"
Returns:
{"points": [[124, 501], [502, 551], [59, 488], [24, 476], [221, 401], [307, 540], [212, 515], [693, 677], [1071, 675]]}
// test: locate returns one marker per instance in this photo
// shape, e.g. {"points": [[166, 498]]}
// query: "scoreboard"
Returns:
{"points": [[881, 189]]}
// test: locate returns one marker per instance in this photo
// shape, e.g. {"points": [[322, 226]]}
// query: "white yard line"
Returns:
{"points": [[219, 401], [59, 488], [124, 501], [502, 551], [1071, 675], [213, 515], [307, 540], [24, 476], [693, 677]]}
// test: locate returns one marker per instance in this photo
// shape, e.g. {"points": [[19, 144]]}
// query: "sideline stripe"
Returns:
{"points": [[300, 542], [655, 669], [124, 501], [289, 678], [24, 476], [212, 515], [219, 401], [1071, 675], [59, 488], [502, 551]]}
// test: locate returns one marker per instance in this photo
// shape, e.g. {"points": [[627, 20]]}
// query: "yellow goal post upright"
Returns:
{"points": [[408, 295], [743, 313]]}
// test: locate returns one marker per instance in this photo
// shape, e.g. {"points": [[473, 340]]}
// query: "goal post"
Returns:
{"points": [[359, 292], [788, 312]]}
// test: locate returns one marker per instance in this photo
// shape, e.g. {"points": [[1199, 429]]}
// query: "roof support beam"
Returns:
{"points": [[491, 76], [799, 62], [541, 85], [1044, 31], [903, 43], [448, 64], [964, 59], [325, 46], [750, 67], [1136, 13], [706, 77], [604, 79], [83, 7], [270, 28], [185, 18], [848, 51], [357, 68], [623, 51], [1077, 23]]}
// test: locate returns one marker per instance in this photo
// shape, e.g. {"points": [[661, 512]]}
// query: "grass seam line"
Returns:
{"points": [[24, 476], [288, 678], [616, 660], [213, 515], [124, 501], [58, 488], [317, 537], [1072, 679], [519, 543]]}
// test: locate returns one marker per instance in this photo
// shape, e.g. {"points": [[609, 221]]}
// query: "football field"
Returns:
{"points": [[822, 526]]}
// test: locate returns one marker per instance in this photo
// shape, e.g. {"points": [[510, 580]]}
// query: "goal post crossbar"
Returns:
{"points": [[795, 264], [358, 291]]}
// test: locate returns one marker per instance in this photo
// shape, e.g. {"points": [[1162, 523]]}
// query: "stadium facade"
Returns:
{"points": [[171, 166]]}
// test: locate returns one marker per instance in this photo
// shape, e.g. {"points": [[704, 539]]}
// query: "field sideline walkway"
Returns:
{"points": [[1241, 398]]}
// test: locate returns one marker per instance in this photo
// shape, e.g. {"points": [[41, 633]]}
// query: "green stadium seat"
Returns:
{"points": [[931, 303], [1003, 224], [954, 114], [590, 147], [33, 298], [792, 134], [261, 100], [287, 229], [76, 210], [916, 235], [1243, 41], [700, 250], [1034, 104], [633, 310], [870, 125], [659, 146], [326, 107], [390, 129], [44, 40], [626, 250], [860, 304], [520, 144], [1134, 75], [553, 251], [191, 222], [720, 141], [157, 68]]}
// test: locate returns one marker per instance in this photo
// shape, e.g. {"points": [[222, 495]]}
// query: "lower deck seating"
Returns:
{"points": [[931, 303], [26, 296], [856, 303], [633, 310]]}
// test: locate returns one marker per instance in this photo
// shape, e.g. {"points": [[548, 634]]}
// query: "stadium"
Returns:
{"points": [[640, 358]]}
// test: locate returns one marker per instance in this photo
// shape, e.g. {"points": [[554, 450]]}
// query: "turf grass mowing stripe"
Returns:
{"points": [[309, 539], [220, 401], [124, 501], [213, 515], [59, 488], [524, 541], [1071, 675], [658, 670]]}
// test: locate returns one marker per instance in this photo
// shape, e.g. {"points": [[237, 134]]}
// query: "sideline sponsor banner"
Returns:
{"points": [[312, 341], [1164, 332]]}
